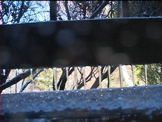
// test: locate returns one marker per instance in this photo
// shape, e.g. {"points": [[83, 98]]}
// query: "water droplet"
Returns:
{"points": [[122, 89], [76, 91], [120, 98], [58, 97], [101, 95], [110, 89], [67, 93], [146, 87]]}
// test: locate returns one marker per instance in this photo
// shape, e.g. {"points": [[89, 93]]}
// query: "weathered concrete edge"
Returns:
{"points": [[142, 100]]}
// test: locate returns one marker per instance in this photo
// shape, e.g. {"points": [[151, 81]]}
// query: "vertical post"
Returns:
{"points": [[83, 71], [17, 73], [125, 8], [31, 75], [146, 74], [109, 80], [121, 8], [100, 76], [55, 78], [121, 75], [53, 10], [133, 74], [67, 77], [75, 78], [4, 72]]}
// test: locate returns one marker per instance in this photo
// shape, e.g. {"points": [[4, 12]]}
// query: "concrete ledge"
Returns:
{"points": [[134, 101]]}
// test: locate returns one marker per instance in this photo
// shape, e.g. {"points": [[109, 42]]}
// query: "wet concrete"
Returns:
{"points": [[114, 102]]}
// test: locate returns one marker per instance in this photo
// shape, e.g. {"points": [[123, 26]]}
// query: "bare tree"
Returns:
{"points": [[13, 12]]}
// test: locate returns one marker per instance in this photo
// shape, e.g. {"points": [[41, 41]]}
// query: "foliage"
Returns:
{"points": [[45, 80], [153, 76]]}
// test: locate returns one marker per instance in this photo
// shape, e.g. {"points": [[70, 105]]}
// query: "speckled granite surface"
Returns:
{"points": [[143, 101]]}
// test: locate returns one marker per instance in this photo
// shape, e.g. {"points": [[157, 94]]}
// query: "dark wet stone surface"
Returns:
{"points": [[134, 101]]}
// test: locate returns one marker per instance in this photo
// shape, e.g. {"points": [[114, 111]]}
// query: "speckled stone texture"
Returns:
{"points": [[134, 101]]}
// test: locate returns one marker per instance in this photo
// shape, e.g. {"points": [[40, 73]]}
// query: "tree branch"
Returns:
{"points": [[105, 75], [21, 12], [99, 9], [63, 79], [67, 10], [89, 77], [22, 88], [15, 80], [4, 76]]}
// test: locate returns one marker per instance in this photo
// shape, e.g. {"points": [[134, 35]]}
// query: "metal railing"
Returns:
{"points": [[83, 78]]}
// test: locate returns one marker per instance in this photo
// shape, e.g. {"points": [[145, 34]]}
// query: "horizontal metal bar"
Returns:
{"points": [[80, 43], [134, 101]]}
